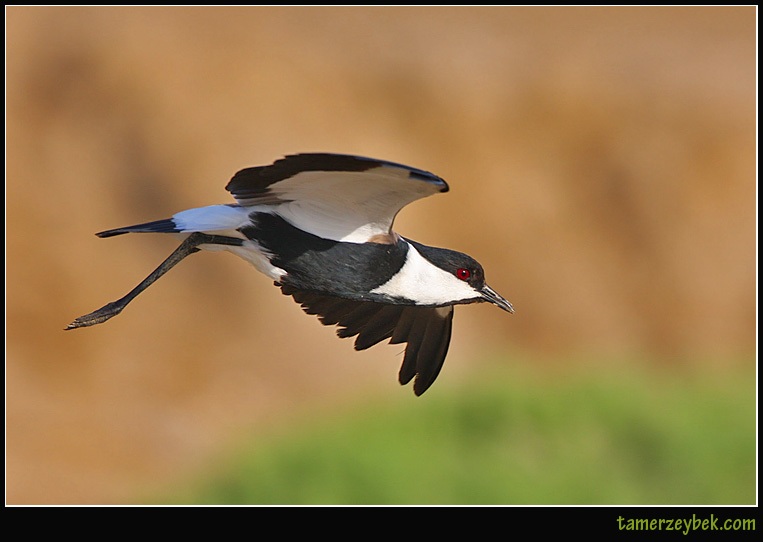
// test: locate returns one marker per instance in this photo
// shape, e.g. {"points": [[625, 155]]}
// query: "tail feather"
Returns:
{"points": [[202, 219], [166, 225]]}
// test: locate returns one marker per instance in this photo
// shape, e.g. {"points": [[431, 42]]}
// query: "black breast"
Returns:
{"points": [[316, 264]]}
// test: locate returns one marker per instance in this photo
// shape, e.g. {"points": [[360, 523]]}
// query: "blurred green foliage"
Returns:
{"points": [[604, 436]]}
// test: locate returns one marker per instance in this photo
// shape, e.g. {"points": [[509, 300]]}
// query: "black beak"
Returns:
{"points": [[488, 294]]}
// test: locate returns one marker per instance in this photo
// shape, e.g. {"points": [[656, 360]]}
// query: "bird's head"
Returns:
{"points": [[470, 285], [438, 276], [468, 270]]}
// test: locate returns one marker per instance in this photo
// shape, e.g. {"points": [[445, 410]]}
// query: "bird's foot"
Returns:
{"points": [[97, 317]]}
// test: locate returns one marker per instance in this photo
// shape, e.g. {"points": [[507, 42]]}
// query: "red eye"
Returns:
{"points": [[463, 273]]}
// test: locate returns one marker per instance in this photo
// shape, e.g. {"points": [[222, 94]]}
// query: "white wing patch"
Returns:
{"points": [[348, 206]]}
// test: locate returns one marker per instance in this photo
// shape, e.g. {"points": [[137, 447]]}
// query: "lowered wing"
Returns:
{"points": [[426, 330]]}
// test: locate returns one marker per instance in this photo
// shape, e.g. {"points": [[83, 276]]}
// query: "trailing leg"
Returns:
{"points": [[186, 248]]}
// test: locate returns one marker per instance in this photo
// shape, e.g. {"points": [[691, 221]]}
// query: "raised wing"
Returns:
{"points": [[426, 330], [335, 196]]}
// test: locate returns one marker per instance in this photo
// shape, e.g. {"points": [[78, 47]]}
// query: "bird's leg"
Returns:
{"points": [[186, 248]]}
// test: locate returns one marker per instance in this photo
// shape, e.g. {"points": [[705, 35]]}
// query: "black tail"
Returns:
{"points": [[157, 226]]}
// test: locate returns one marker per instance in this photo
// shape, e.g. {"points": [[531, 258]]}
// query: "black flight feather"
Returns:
{"points": [[426, 330]]}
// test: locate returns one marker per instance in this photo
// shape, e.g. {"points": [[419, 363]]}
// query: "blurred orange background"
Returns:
{"points": [[602, 164]]}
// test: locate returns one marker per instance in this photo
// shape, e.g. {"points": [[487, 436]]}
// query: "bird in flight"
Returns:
{"points": [[320, 226]]}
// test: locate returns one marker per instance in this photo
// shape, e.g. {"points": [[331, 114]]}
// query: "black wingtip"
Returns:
{"points": [[423, 382], [419, 391]]}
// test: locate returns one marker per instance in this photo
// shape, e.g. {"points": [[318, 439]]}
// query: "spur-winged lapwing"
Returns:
{"points": [[320, 226]]}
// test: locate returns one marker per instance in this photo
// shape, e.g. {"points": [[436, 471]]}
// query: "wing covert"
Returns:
{"points": [[336, 196]]}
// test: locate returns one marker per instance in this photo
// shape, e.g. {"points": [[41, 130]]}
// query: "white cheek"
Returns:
{"points": [[425, 284]]}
